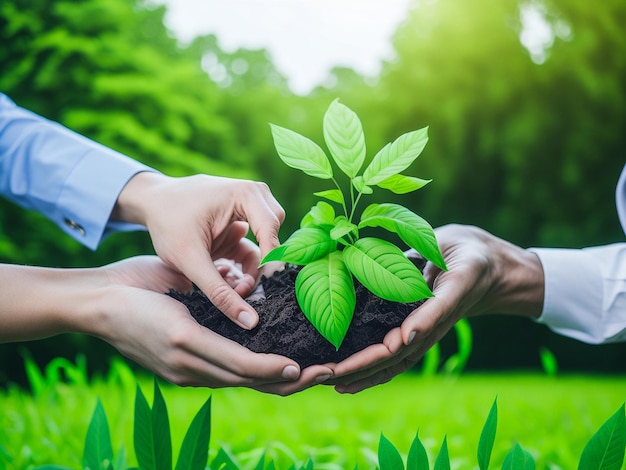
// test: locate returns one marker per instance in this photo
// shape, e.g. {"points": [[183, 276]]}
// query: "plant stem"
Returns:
{"points": [[343, 203]]}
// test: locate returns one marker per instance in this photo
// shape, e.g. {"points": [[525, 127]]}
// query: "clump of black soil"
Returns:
{"points": [[283, 329]]}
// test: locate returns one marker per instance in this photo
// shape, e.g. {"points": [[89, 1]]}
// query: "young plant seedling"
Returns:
{"points": [[329, 245]]}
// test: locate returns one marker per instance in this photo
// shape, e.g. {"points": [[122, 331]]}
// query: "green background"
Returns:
{"points": [[526, 146]]}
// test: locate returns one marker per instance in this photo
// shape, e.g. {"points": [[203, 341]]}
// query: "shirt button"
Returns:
{"points": [[74, 226]]}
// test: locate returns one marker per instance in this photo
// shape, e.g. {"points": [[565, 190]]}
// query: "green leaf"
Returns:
{"points": [[548, 361], [401, 184], [261, 463], [223, 461], [344, 137], [418, 458], [304, 246], [412, 229], [456, 363], [342, 227], [443, 459], [326, 295], [359, 185], [431, 360], [388, 456], [321, 215], [161, 431], [194, 451], [396, 157], [518, 459], [605, 450], [334, 195], [383, 269], [301, 153], [488, 437], [98, 453], [143, 433]]}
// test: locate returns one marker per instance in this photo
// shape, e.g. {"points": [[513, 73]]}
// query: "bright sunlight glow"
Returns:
{"points": [[305, 38]]}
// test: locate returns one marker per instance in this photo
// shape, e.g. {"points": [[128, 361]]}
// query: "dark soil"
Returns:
{"points": [[283, 329]]}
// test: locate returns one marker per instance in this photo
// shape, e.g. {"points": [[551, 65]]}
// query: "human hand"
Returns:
{"points": [[156, 331], [197, 219], [485, 275]]}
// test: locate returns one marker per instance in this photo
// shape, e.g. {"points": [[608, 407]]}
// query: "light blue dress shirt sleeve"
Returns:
{"points": [[585, 290], [68, 178]]}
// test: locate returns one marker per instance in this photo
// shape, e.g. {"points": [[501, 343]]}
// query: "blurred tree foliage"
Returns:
{"points": [[527, 130]]}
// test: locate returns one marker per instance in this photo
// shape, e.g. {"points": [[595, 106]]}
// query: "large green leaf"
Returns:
{"points": [[396, 157], [401, 184], [98, 452], [488, 437], [326, 295], [412, 229], [304, 246], [388, 456], [301, 153], [343, 134], [605, 450], [194, 451], [383, 269]]}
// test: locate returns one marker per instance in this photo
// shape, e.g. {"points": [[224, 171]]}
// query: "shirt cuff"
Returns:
{"points": [[573, 299], [90, 193]]}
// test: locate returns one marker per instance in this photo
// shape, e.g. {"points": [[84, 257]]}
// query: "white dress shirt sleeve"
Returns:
{"points": [[585, 290], [68, 178]]}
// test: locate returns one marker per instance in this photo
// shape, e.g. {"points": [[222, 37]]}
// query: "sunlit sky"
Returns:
{"points": [[306, 38]]}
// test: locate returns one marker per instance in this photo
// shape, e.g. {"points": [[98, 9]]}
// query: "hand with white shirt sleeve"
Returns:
{"points": [[485, 275]]}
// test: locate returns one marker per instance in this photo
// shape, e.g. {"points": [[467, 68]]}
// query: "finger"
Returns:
{"points": [[206, 276], [251, 368], [379, 378], [265, 218], [362, 360], [310, 376]]}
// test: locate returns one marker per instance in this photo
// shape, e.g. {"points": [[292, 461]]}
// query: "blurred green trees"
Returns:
{"points": [[527, 131]]}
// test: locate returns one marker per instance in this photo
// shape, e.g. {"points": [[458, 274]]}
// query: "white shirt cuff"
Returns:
{"points": [[585, 292]]}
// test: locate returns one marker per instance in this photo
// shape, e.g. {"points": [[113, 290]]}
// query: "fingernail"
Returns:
{"points": [[291, 373], [246, 319], [322, 378], [411, 337]]}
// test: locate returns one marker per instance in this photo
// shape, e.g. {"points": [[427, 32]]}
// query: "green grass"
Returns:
{"points": [[551, 417]]}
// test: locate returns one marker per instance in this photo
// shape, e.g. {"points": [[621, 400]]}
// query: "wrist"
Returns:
{"points": [[517, 280], [131, 202]]}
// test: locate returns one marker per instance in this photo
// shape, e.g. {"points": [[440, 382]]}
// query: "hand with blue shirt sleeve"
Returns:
{"points": [[91, 191]]}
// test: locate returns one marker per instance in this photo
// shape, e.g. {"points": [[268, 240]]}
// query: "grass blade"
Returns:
{"points": [[488, 437], [98, 453], [418, 458], [518, 459], [223, 461], [388, 456], [549, 362], [143, 437], [443, 459], [161, 431], [194, 451], [605, 450]]}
